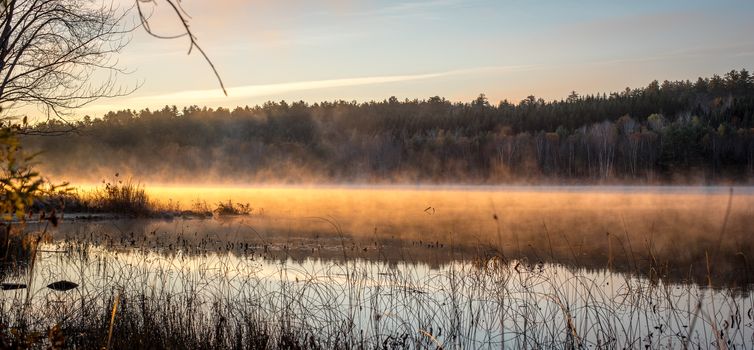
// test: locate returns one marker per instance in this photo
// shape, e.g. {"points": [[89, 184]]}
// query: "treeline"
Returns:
{"points": [[692, 132]]}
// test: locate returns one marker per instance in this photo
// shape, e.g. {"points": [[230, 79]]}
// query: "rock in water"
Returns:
{"points": [[62, 285], [12, 286]]}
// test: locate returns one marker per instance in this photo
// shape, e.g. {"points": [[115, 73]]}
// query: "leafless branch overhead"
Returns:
{"points": [[183, 18]]}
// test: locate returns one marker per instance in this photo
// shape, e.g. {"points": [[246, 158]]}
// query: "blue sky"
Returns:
{"points": [[371, 50]]}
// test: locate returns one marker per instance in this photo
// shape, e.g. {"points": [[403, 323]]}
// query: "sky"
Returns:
{"points": [[373, 49]]}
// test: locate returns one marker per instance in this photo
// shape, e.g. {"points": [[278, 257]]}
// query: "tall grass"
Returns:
{"points": [[115, 197], [203, 293], [122, 197], [230, 208], [249, 300], [128, 198]]}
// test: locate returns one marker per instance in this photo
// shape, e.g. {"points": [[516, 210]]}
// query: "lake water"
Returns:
{"points": [[627, 227], [456, 267]]}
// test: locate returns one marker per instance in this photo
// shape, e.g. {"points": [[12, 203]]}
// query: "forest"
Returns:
{"points": [[690, 132]]}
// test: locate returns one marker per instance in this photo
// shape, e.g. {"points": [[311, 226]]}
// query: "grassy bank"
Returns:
{"points": [[130, 199]]}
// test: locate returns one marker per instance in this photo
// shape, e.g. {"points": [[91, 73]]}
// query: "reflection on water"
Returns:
{"points": [[456, 305], [455, 268], [660, 231]]}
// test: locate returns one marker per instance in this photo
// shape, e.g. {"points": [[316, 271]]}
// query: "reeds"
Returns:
{"points": [[230, 208], [123, 197], [249, 300], [130, 199], [203, 293], [115, 197]]}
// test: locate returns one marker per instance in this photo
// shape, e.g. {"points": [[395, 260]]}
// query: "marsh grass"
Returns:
{"points": [[202, 208], [130, 199], [140, 298], [205, 294], [230, 208], [115, 197], [122, 197]]}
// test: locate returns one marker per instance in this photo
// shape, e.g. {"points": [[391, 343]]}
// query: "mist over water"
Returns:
{"points": [[379, 199], [474, 267], [471, 266], [624, 227], [677, 133]]}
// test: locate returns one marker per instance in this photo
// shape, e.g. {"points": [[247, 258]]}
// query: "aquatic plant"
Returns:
{"points": [[230, 208], [214, 295]]}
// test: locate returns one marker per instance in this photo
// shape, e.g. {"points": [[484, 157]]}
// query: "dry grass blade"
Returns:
{"points": [[112, 320], [432, 338]]}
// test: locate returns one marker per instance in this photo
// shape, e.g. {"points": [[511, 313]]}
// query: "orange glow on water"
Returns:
{"points": [[468, 211]]}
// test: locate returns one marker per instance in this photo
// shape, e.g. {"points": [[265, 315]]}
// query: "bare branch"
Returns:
{"points": [[52, 52], [60, 55], [183, 17]]}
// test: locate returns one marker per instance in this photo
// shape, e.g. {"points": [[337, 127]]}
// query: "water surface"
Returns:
{"points": [[672, 230]]}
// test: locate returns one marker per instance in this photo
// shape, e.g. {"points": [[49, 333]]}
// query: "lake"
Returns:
{"points": [[628, 227], [417, 267]]}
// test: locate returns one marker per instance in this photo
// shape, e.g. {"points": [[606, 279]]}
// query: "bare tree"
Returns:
{"points": [[60, 54], [50, 51]]}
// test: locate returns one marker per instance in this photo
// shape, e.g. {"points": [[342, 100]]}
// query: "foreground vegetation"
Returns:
{"points": [[684, 131], [145, 299], [130, 199], [138, 288]]}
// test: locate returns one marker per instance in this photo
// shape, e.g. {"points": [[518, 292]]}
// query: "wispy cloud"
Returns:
{"points": [[247, 91], [736, 50], [398, 9], [412, 7]]}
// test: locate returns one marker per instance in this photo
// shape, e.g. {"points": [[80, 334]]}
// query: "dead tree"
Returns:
{"points": [[60, 55], [51, 50]]}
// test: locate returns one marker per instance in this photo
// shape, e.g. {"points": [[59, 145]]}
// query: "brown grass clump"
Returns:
{"points": [[229, 208]]}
